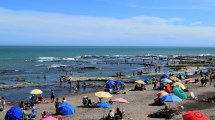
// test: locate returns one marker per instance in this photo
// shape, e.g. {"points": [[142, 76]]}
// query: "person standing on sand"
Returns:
{"points": [[211, 79], [3, 103], [201, 73], [57, 102], [52, 95]]}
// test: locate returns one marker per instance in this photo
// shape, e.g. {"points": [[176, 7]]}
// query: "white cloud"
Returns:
{"points": [[196, 23], [30, 27]]}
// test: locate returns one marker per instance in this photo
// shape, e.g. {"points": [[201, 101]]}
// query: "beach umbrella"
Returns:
{"points": [[104, 105], [148, 81], [36, 91], [165, 80], [165, 76], [118, 82], [66, 108], [173, 78], [194, 115], [120, 100], [180, 93], [109, 84], [179, 85], [50, 118], [170, 98], [14, 113], [140, 82], [161, 94], [103, 94]]}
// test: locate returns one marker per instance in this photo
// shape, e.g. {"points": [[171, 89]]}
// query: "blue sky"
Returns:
{"points": [[107, 22]]}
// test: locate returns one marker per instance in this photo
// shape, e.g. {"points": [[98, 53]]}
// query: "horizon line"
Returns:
{"points": [[94, 46]]}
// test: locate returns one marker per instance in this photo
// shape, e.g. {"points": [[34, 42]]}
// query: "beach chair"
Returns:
{"points": [[193, 97]]}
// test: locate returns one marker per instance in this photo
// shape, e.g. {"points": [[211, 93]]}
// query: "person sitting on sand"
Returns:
{"points": [[40, 99], [59, 117], [110, 115], [212, 99], [85, 101], [118, 114], [22, 105], [45, 114], [31, 104], [138, 87], [33, 114]]}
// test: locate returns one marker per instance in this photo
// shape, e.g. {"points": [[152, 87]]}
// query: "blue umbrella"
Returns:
{"points": [[104, 105], [66, 109], [109, 84], [14, 113], [148, 81], [170, 98], [118, 82], [164, 76]]}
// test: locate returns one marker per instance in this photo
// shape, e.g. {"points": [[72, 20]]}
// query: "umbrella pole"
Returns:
{"points": [[104, 113]]}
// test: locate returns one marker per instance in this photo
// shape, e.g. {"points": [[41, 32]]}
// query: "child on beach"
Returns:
{"points": [[64, 100]]}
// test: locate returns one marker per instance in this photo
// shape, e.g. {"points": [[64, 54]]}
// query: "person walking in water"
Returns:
{"points": [[61, 82], [52, 95], [70, 82]]}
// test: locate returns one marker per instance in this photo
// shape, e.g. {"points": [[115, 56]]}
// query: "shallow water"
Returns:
{"points": [[33, 63]]}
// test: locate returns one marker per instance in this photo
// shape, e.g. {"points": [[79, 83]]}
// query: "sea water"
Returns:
{"points": [[45, 65]]}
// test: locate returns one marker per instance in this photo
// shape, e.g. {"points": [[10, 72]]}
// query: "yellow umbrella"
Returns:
{"points": [[36, 91], [140, 82], [173, 78], [103, 94], [178, 84]]}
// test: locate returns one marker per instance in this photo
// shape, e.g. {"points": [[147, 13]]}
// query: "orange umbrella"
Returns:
{"points": [[161, 94]]}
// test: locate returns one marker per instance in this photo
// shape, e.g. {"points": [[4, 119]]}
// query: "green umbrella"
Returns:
{"points": [[180, 93]]}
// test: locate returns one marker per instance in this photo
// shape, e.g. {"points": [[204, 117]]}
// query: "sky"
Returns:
{"points": [[107, 22]]}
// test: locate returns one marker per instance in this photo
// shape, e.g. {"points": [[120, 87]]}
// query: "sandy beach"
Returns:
{"points": [[138, 107]]}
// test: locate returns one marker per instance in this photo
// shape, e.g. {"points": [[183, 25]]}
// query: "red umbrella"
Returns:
{"points": [[195, 115]]}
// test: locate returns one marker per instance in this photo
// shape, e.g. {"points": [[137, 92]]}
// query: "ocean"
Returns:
{"points": [[35, 62]]}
